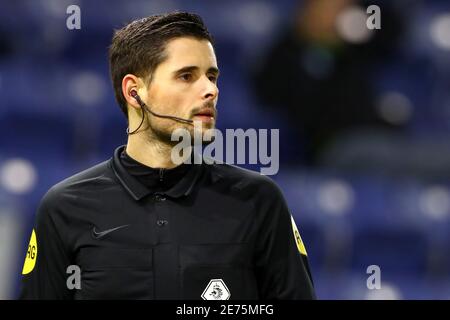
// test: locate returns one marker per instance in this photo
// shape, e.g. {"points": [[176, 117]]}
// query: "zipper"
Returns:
{"points": [[161, 174]]}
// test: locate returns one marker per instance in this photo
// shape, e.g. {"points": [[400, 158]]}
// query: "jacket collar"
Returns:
{"points": [[138, 191]]}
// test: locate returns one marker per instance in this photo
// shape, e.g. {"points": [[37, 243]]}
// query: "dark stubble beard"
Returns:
{"points": [[164, 135]]}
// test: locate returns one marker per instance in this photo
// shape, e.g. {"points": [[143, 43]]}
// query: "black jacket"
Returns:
{"points": [[221, 232]]}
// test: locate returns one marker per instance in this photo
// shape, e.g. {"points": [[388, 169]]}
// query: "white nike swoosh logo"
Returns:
{"points": [[101, 234]]}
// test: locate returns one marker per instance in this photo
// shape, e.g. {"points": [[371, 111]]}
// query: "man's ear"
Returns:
{"points": [[129, 83]]}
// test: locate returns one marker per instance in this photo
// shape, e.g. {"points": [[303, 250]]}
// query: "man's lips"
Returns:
{"points": [[207, 113]]}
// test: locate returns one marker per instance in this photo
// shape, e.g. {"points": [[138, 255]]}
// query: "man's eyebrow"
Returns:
{"points": [[213, 70]]}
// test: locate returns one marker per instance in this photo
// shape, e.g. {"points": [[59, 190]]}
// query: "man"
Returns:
{"points": [[140, 226]]}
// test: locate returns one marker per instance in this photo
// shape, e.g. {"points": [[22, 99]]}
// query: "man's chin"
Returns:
{"points": [[205, 133], [197, 135]]}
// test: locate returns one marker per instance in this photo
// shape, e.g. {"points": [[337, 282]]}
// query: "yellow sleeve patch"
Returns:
{"points": [[298, 240], [30, 259]]}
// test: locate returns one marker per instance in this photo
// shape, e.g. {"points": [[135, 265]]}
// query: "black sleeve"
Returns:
{"points": [[46, 261], [282, 264]]}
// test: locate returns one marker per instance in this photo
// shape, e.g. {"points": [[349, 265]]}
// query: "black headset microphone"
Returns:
{"points": [[143, 106]]}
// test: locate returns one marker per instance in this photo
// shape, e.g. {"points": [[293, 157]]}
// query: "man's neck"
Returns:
{"points": [[150, 152]]}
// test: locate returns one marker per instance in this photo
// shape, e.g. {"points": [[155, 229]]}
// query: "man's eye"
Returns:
{"points": [[186, 77], [213, 79]]}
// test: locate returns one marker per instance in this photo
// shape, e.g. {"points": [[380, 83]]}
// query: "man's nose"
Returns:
{"points": [[210, 90]]}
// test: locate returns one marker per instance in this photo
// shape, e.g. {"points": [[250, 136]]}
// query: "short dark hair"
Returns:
{"points": [[139, 47]]}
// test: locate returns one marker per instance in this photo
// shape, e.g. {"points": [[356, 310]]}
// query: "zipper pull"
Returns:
{"points": [[161, 174]]}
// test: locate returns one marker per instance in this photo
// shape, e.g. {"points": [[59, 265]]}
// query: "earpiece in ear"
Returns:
{"points": [[134, 94]]}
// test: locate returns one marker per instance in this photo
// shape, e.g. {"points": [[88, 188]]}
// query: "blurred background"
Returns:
{"points": [[364, 119]]}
